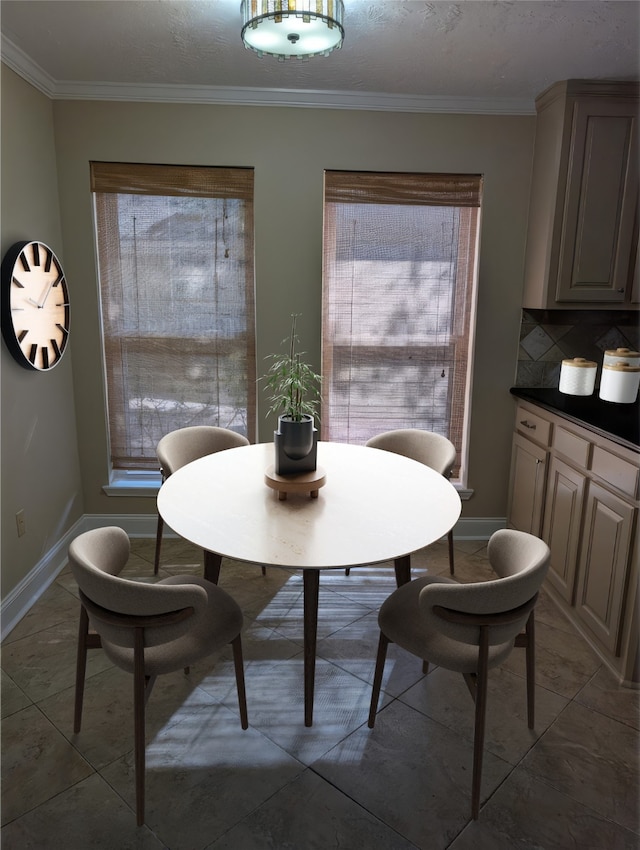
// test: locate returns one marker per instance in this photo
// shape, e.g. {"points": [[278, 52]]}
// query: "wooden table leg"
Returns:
{"points": [[212, 562], [311, 584], [403, 570]]}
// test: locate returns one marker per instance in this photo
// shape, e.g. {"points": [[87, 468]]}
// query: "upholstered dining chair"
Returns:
{"points": [[427, 447], [147, 629], [470, 628], [180, 447]]}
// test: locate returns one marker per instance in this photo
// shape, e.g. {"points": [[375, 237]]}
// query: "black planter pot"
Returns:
{"points": [[296, 438], [296, 445]]}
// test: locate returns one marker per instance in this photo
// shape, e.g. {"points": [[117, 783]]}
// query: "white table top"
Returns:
{"points": [[376, 506]]}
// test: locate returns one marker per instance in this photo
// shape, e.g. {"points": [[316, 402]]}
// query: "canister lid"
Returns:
{"points": [[580, 362], [622, 352], [621, 366]]}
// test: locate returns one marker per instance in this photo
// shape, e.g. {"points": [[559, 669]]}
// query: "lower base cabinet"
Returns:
{"points": [[563, 513], [579, 491], [602, 572], [528, 475]]}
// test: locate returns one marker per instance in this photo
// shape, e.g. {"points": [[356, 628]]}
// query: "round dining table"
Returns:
{"points": [[374, 507]]}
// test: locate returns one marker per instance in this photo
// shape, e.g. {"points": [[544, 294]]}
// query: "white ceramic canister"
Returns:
{"points": [[619, 382], [621, 355], [578, 376]]}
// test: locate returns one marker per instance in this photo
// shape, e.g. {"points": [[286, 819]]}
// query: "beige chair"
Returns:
{"points": [[434, 450], [147, 629], [180, 447], [470, 628]]}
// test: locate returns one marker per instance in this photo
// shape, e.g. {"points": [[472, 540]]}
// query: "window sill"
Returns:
{"points": [[146, 483], [133, 483]]}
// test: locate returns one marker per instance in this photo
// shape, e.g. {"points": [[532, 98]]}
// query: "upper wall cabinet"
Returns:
{"points": [[582, 239]]}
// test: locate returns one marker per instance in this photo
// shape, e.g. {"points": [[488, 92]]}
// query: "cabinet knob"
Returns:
{"points": [[529, 425]]}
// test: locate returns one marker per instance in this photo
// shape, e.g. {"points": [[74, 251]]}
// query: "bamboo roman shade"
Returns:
{"points": [[186, 181], [175, 256], [399, 266], [367, 187]]}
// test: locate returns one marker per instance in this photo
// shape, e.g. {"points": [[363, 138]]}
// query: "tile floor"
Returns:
{"points": [[572, 783]]}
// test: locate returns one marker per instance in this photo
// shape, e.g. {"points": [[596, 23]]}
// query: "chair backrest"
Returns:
{"points": [[180, 447], [96, 558], [434, 450], [521, 562]]}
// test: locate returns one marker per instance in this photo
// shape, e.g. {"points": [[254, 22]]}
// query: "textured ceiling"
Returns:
{"points": [[471, 50]]}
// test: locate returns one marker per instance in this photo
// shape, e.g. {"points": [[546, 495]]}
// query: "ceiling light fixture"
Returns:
{"points": [[292, 29]]}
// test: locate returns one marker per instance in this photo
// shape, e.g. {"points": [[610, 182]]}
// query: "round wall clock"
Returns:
{"points": [[35, 305]]}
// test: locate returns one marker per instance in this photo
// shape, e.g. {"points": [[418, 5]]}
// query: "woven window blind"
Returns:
{"points": [[399, 271], [175, 259]]}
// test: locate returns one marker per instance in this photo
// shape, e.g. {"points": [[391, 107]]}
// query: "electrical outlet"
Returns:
{"points": [[21, 523]]}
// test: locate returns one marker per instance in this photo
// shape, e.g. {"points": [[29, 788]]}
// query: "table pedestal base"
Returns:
{"points": [[304, 482]]}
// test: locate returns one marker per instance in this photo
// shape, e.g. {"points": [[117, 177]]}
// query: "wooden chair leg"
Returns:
{"points": [[450, 540], [156, 560], [81, 666], [347, 571], [236, 643], [383, 643], [86, 640], [139, 699], [530, 650], [264, 571], [481, 712]]}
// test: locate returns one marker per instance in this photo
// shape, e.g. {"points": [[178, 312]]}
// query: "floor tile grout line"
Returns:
{"points": [[361, 805]]}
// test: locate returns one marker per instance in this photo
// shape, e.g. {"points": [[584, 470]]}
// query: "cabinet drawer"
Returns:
{"points": [[533, 426], [620, 473], [571, 446]]}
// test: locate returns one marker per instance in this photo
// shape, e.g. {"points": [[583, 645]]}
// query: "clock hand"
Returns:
{"points": [[48, 290]]}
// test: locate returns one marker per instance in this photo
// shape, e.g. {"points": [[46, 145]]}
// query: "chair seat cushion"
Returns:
{"points": [[218, 625], [400, 619]]}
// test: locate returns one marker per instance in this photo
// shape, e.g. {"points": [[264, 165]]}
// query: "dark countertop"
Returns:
{"points": [[618, 422]]}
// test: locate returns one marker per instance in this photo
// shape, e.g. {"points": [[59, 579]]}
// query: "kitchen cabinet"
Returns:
{"points": [[528, 472], [583, 227], [583, 496], [602, 570], [562, 520]]}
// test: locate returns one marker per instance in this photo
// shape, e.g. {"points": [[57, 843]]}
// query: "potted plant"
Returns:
{"points": [[294, 393]]}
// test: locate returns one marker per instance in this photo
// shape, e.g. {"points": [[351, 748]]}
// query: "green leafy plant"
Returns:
{"points": [[293, 387]]}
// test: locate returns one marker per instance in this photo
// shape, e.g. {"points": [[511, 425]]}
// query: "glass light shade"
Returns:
{"points": [[292, 29]]}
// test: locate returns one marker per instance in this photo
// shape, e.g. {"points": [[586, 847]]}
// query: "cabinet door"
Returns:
{"points": [[526, 486], [603, 566], [598, 225], [562, 521]]}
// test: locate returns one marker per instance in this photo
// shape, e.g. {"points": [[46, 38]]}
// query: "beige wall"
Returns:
{"points": [[289, 149], [40, 464]]}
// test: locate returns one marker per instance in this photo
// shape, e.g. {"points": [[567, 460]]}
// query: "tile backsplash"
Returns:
{"points": [[547, 337]]}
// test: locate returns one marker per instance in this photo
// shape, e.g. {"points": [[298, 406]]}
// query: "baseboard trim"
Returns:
{"points": [[478, 528], [19, 600]]}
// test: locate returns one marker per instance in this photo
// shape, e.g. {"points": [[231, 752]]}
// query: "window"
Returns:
{"points": [[398, 300], [175, 258]]}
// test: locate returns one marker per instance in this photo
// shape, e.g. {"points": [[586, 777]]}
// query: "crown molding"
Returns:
{"points": [[18, 61], [302, 98]]}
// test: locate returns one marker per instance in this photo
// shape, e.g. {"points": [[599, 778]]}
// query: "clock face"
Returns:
{"points": [[35, 305]]}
